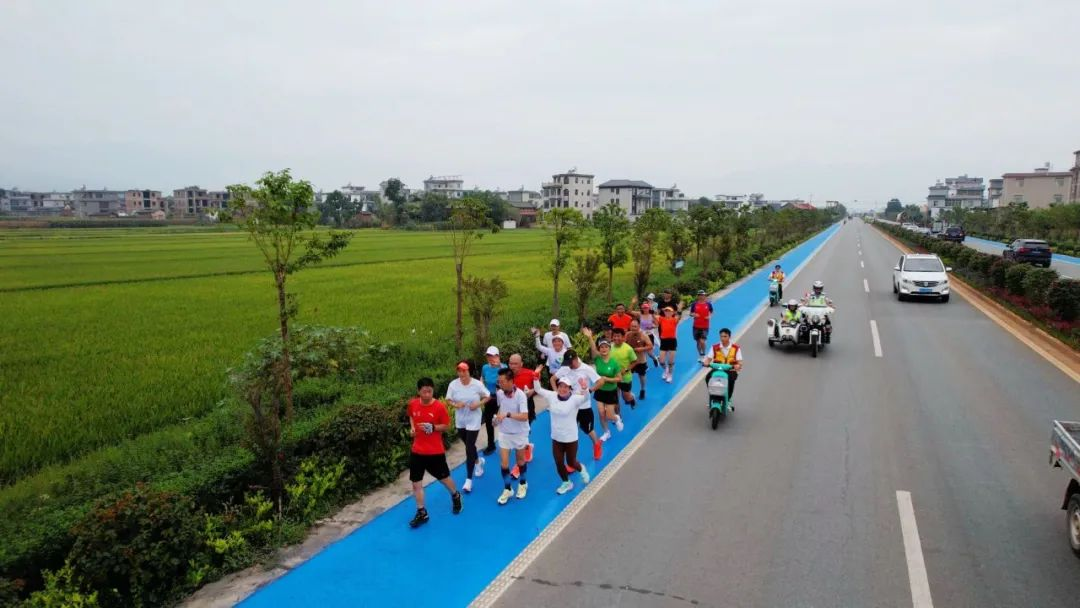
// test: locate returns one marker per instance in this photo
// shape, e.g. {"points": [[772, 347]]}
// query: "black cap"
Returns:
{"points": [[569, 355]]}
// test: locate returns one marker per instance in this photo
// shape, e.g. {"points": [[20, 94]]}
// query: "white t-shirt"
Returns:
{"points": [[573, 375], [516, 404], [563, 413], [554, 358], [474, 392], [565, 338]]}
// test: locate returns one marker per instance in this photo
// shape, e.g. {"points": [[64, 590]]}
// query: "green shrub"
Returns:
{"points": [[372, 439], [62, 591], [135, 551], [1063, 297], [998, 270], [1037, 282], [10, 591], [981, 263], [1014, 278], [963, 257], [313, 485]]}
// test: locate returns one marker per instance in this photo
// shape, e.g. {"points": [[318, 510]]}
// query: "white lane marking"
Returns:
{"points": [[861, 264], [516, 568], [860, 252], [865, 286], [877, 339], [916, 567]]}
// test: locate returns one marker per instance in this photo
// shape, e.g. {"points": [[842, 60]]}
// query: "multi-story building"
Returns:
{"points": [[570, 190], [1039, 188], [86, 203], [679, 202], [195, 201], [634, 196], [732, 201], [523, 198], [1074, 194], [143, 201], [993, 192], [660, 196], [20, 203], [955, 192], [406, 192], [450, 186]]}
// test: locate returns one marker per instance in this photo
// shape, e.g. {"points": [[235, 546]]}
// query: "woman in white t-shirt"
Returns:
{"points": [[563, 407], [467, 395]]}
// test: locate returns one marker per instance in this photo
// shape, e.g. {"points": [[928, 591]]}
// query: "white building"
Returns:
{"points": [[570, 190], [963, 192], [634, 196], [732, 201], [450, 186]]}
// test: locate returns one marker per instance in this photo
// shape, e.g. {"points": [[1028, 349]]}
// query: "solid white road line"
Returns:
{"points": [[877, 339], [861, 264], [865, 286], [916, 567], [517, 567]]}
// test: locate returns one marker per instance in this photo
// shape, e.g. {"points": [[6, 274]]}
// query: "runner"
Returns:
{"points": [[556, 330], [523, 379], [627, 358], [574, 370], [647, 320], [513, 422], [553, 354], [607, 395], [700, 311], [563, 403], [640, 342], [668, 324], [428, 420], [467, 396], [490, 372], [668, 299], [620, 320]]}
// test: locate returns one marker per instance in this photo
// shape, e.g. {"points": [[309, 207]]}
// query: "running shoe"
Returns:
{"points": [[618, 424], [456, 498], [514, 472], [467, 486], [489, 450], [565, 487], [605, 436], [522, 489], [633, 404], [478, 468], [419, 519], [505, 496], [597, 450], [529, 453], [641, 394], [585, 475]]}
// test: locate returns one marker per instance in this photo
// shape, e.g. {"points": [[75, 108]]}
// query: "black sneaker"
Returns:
{"points": [[489, 450], [457, 503], [641, 394], [633, 404], [419, 519]]}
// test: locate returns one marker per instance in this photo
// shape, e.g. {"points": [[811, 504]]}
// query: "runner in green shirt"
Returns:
{"points": [[610, 370], [627, 358]]}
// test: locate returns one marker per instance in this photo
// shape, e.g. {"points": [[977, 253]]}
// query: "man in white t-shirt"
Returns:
{"points": [[467, 395], [573, 370], [513, 423]]}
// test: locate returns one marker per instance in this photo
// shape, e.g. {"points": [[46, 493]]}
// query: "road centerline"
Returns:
{"points": [[877, 338], [916, 565], [865, 286]]}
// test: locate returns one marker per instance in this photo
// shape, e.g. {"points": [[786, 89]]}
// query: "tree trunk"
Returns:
{"points": [[286, 360], [555, 275], [458, 330], [610, 278]]}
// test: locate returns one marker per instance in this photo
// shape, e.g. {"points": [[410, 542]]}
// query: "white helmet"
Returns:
{"points": [[819, 286], [792, 302]]}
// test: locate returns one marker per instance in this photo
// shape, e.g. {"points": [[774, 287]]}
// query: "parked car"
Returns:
{"points": [[953, 233], [921, 275], [1031, 251]]}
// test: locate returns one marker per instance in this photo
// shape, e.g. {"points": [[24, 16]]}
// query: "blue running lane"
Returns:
{"points": [[449, 561]]}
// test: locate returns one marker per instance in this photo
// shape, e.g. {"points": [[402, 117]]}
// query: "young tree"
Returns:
{"points": [[701, 221], [395, 193], [337, 208], [647, 234], [584, 276], [484, 299], [468, 220], [614, 228], [679, 241], [276, 214], [566, 226], [434, 207]]}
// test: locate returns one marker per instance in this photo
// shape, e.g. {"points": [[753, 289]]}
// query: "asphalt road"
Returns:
{"points": [[1064, 269], [793, 500]]}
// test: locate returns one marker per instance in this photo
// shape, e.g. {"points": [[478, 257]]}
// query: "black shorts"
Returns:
{"points": [[607, 397], [701, 333], [626, 387], [641, 368], [669, 344], [532, 409], [586, 420], [431, 463]]}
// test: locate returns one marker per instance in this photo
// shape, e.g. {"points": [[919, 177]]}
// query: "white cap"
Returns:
{"points": [[493, 351], [554, 322], [651, 296]]}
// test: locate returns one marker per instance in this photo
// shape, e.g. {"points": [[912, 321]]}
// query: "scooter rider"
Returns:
{"points": [[726, 352], [789, 316], [778, 275]]}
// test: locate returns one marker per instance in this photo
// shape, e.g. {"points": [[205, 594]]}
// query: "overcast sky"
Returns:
{"points": [[830, 99]]}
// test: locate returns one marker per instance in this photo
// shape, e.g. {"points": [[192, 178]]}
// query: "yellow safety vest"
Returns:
{"points": [[718, 354]]}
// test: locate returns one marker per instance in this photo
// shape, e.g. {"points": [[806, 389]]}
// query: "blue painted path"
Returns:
{"points": [[450, 560], [1057, 257]]}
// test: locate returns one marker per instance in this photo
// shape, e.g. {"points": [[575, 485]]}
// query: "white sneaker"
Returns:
{"points": [[565, 487], [478, 468], [467, 486], [584, 475], [522, 489], [605, 436], [618, 424], [505, 496]]}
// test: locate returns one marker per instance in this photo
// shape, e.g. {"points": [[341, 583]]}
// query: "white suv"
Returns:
{"points": [[921, 275]]}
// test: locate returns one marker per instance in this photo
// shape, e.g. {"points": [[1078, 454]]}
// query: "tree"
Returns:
{"points": [[485, 298], [679, 242], [498, 209], [337, 208], [434, 208], [704, 200], [614, 228], [647, 234], [468, 219], [702, 221], [893, 207], [584, 275], [395, 193], [913, 214], [566, 226]]}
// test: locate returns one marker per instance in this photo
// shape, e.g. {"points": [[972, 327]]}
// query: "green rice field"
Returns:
{"points": [[109, 334]]}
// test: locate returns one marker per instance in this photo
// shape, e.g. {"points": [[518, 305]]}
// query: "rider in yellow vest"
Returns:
{"points": [[778, 276], [790, 316], [727, 352]]}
